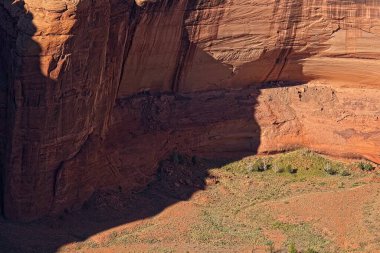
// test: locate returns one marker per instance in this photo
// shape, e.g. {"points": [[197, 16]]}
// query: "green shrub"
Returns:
{"points": [[278, 169], [291, 169], [311, 251], [345, 173], [259, 165], [329, 169], [264, 165], [365, 166], [252, 168], [292, 248], [270, 244]]}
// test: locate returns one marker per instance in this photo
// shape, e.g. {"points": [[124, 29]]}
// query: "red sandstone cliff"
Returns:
{"points": [[94, 94]]}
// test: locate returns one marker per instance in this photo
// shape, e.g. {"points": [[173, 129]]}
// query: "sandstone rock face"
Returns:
{"points": [[93, 94]]}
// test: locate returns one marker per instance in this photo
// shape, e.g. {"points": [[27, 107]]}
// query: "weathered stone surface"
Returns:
{"points": [[93, 94]]}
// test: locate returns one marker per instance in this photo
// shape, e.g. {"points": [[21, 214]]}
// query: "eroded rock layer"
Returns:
{"points": [[93, 94]]}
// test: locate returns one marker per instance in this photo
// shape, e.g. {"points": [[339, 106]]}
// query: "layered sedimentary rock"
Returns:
{"points": [[93, 94]]}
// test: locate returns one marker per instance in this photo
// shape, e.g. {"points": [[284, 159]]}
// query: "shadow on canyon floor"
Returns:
{"points": [[222, 124], [109, 209], [233, 110]]}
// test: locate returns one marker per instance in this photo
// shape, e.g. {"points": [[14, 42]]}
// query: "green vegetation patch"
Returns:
{"points": [[302, 236], [214, 229], [366, 166], [300, 163]]}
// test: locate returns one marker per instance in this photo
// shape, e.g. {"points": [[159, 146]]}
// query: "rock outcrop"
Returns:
{"points": [[93, 94]]}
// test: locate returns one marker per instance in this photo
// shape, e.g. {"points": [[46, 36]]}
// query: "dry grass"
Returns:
{"points": [[230, 214]]}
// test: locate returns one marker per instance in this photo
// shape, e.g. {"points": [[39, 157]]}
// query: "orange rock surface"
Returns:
{"points": [[93, 94]]}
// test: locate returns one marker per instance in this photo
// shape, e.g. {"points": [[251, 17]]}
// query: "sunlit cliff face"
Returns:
{"points": [[204, 48], [144, 2]]}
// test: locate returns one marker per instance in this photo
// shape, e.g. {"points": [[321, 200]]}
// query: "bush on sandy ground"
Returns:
{"points": [[366, 166]]}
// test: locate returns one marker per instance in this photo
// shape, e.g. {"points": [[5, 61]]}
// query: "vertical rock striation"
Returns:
{"points": [[93, 94]]}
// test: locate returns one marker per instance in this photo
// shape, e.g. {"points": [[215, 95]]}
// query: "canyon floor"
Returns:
{"points": [[294, 202]]}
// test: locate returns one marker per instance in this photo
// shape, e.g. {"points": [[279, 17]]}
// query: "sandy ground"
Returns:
{"points": [[217, 210]]}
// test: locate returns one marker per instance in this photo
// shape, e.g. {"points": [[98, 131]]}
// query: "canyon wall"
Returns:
{"points": [[93, 94]]}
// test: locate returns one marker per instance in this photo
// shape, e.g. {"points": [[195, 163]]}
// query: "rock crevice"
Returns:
{"points": [[93, 94]]}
